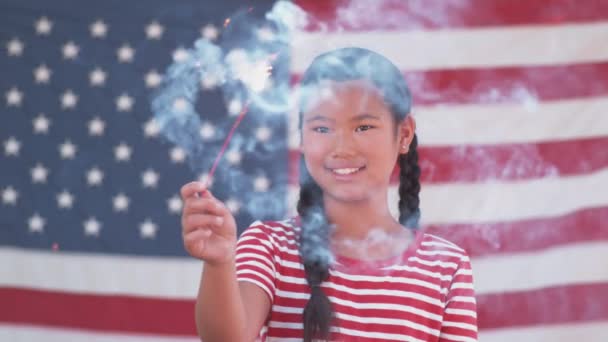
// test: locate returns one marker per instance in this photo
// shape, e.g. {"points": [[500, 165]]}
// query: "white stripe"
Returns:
{"points": [[18, 333], [587, 332], [362, 306], [350, 332], [102, 274], [459, 338], [140, 276], [462, 312], [241, 256], [388, 321], [501, 201], [580, 263], [239, 274], [260, 265], [525, 122], [528, 121], [377, 279], [466, 48]]}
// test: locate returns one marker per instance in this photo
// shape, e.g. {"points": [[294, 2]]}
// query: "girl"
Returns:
{"points": [[344, 269]]}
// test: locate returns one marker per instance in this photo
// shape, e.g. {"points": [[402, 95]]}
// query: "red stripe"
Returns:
{"points": [[439, 14], [573, 303], [529, 235], [505, 85], [500, 162], [97, 312], [509, 237]]}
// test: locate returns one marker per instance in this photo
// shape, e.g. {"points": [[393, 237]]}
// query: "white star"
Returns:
{"points": [[14, 47], [39, 173], [96, 127], [92, 227], [233, 205], [42, 74], [207, 131], [181, 104], [70, 50], [94, 176], [43, 26], [174, 204], [234, 107], [150, 178], [69, 99], [65, 200], [154, 30], [122, 152], [67, 150], [153, 79], [263, 133], [233, 157], [14, 97], [209, 81], [121, 202], [11, 147], [36, 223], [125, 53], [210, 32], [177, 154], [147, 229], [41, 124], [265, 34], [151, 128], [261, 184], [124, 103], [9, 196], [180, 54], [97, 77], [98, 29]]}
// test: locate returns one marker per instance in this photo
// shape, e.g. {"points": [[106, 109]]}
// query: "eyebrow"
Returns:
{"points": [[356, 118]]}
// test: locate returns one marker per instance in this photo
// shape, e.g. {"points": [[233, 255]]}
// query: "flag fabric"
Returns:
{"points": [[510, 101]]}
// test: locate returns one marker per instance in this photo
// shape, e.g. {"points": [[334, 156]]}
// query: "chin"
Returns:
{"points": [[348, 195]]}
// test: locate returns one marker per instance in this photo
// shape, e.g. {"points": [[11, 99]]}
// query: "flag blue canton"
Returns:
{"points": [[83, 165]]}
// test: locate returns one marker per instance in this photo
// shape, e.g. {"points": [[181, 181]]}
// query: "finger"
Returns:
{"points": [[201, 221], [198, 239], [190, 190], [203, 205]]}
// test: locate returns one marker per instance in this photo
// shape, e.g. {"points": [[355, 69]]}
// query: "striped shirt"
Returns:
{"points": [[425, 294]]}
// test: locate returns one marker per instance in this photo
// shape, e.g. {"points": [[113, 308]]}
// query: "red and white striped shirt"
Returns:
{"points": [[426, 294]]}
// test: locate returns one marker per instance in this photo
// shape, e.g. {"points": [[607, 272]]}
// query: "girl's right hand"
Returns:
{"points": [[208, 228]]}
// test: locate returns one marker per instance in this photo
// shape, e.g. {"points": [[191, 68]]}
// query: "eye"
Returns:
{"points": [[364, 128], [321, 129]]}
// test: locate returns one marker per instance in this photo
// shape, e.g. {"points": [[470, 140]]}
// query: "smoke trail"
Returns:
{"points": [[250, 66]]}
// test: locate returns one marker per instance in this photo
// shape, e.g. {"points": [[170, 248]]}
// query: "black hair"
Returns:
{"points": [[343, 65]]}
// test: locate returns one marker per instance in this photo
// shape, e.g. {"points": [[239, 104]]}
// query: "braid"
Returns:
{"points": [[316, 256], [409, 187]]}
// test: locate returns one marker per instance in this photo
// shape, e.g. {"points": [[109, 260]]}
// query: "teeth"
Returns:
{"points": [[345, 171]]}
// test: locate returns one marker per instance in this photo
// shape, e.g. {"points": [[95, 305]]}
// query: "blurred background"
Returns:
{"points": [[510, 98]]}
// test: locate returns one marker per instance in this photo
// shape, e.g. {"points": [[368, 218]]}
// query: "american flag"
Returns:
{"points": [[510, 99]]}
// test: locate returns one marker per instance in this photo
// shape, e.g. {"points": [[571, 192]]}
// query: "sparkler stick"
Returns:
{"points": [[226, 142], [264, 69]]}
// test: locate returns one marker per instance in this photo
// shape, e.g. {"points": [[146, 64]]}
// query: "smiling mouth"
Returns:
{"points": [[346, 171]]}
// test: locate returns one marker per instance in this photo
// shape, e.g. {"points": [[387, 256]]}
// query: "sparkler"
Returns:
{"points": [[226, 142], [256, 80]]}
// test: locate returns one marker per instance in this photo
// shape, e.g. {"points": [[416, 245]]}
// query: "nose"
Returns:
{"points": [[344, 144]]}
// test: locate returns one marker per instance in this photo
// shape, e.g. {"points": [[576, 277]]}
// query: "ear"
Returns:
{"points": [[407, 129]]}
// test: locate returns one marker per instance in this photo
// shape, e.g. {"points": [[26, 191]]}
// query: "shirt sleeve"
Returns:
{"points": [[460, 315], [255, 252]]}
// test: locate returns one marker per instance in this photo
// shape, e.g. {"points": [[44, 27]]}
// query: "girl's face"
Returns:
{"points": [[349, 140]]}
